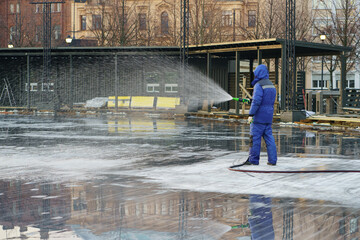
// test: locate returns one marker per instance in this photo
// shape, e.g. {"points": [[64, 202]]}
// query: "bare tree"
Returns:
{"points": [[145, 31], [124, 22], [99, 26], [205, 21], [269, 22], [18, 27], [339, 20], [175, 15]]}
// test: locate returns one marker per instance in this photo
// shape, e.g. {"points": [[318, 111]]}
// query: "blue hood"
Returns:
{"points": [[261, 72]]}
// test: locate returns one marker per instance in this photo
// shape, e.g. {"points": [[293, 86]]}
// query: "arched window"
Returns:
{"points": [[164, 23]]}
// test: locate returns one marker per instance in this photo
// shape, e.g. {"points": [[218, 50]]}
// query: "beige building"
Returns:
{"points": [[157, 22]]}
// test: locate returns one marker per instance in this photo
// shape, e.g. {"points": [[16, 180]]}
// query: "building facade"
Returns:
{"points": [[338, 21], [158, 22], [21, 23], [128, 22]]}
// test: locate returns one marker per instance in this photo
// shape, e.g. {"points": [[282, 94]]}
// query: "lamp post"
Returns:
{"points": [[10, 45], [68, 39], [74, 21], [322, 38]]}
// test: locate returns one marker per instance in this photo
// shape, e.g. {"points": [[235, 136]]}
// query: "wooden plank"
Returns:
{"points": [[245, 91], [351, 109], [340, 119]]}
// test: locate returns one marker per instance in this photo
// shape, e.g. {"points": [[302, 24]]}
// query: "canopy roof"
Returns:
{"points": [[270, 48]]}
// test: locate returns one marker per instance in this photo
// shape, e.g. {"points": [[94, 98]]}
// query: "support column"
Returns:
{"points": [[259, 56], [319, 103], [251, 70], [28, 81], [237, 81], [277, 84], [208, 74], [342, 83], [71, 97], [329, 106], [309, 100], [277, 71], [283, 77], [116, 84]]}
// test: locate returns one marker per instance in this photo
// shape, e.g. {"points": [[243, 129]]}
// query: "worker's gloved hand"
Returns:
{"points": [[246, 100], [250, 120]]}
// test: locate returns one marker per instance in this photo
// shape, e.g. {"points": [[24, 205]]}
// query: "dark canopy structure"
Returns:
{"points": [[272, 49], [21, 66]]}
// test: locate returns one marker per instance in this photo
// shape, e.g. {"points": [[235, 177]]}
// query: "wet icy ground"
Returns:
{"points": [[168, 179]]}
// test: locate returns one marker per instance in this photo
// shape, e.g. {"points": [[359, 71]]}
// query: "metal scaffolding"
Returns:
{"points": [[290, 61], [184, 44], [46, 79], [184, 33], [183, 215]]}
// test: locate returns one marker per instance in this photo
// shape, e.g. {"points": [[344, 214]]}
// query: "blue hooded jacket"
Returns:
{"points": [[264, 95]]}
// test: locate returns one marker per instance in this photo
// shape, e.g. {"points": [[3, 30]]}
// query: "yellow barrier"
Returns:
{"points": [[142, 102], [123, 102], [167, 102]]}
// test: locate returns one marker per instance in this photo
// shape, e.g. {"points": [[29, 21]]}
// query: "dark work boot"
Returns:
{"points": [[271, 164]]}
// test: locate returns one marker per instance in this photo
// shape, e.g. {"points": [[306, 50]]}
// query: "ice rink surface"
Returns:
{"points": [[148, 178]]}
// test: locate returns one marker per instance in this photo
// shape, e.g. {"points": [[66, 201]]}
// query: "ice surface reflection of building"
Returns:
{"points": [[115, 209], [29, 208], [121, 206]]}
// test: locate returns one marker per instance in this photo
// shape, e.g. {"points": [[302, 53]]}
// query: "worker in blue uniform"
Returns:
{"points": [[261, 116]]}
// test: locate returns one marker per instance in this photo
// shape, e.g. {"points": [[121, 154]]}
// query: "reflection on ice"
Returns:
{"points": [[105, 177], [103, 209]]}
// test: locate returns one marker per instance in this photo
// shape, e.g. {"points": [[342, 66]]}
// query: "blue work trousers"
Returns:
{"points": [[258, 130]]}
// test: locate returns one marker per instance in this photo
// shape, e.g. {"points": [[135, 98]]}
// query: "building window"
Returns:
{"points": [[48, 87], [38, 33], [142, 21], [251, 18], [12, 8], [124, 19], [171, 88], [207, 19], [320, 25], [96, 22], [57, 32], [317, 83], [152, 82], [350, 80], [320, 4], [38, 8], [58, 7], [353, 225], [12, 33], [153, 87], [227, 18], [83, 23], [164, 23], [342, 230], [33, 87]]}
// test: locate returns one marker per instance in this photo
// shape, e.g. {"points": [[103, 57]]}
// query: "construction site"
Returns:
{"points": [[150, 142]]}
